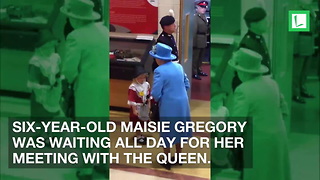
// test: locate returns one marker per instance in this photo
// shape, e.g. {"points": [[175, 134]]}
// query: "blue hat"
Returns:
{"points": [[249, 61], [80, 9], [162, 52]]}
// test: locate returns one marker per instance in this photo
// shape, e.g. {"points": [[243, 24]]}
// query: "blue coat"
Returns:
{"points": [[86, 64], [261, 99], [169, 89]]}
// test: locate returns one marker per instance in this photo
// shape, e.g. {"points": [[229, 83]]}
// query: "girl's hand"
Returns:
{"points": [[135, 112], [149, 104]]}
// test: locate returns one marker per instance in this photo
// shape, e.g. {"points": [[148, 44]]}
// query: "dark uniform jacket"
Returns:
{"points": [[257, 43], [304, 41], [169, 40], [200, 31]]}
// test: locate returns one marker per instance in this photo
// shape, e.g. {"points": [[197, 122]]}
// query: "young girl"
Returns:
{"points": [[139, 101], [44, 80]]}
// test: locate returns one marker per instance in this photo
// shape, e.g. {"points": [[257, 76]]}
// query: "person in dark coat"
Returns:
{"points": [[166, 37], [257, 24], [168, 28], [199, 39], [304, 48]]}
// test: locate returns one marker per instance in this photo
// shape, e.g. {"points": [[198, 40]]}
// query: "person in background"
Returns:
{"points": [[86, 66], [256, 21], [169, 89], [318, 37], [199, 39], [259, 97], [44, 79], [139, 101], [303, 51], [168, 26]]}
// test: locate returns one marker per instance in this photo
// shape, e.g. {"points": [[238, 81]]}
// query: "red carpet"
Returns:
{"points": [[201, 88]]}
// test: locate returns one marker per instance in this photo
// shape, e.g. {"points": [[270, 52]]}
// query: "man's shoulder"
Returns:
{"points": [[197, 15], [163, 38], [162, 34], [248, 40]]}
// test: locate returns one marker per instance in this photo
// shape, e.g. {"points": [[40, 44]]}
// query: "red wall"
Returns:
{"points": [[139, 16]]}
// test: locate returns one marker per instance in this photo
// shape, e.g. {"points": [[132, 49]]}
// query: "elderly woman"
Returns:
{"points": [[169, 89], [259, 97], [86, 67]]}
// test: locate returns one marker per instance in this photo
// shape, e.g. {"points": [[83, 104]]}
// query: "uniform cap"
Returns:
{"points": [[203, 4], [167, 20], [254, 15]]}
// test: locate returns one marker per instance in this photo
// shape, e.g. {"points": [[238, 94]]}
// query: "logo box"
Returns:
{"points": [[299, 21]]}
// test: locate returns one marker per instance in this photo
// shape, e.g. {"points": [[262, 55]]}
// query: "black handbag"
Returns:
{"points": [[68, 102], [235, 157], [154, 112]]}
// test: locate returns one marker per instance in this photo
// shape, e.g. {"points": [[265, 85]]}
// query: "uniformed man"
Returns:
{"points": [[168, 28], [304, 49], [257, 24], [199, 39]]}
